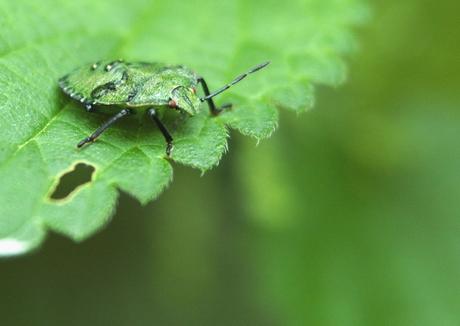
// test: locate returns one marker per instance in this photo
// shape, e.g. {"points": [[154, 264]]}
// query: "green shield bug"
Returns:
{"points": [[138, 85]]}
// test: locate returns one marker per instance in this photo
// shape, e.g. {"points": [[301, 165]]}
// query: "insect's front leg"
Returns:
{"points": [[209, 96], [212, 107]]}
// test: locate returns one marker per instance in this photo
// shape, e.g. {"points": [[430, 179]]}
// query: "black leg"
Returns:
{"points": [[153, 113], [212, 107], [94, 135]]}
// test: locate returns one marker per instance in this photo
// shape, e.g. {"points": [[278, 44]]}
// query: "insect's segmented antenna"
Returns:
{"points": [[234, 82]]}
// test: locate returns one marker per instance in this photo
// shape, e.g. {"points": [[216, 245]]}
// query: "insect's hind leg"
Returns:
{"points": [[153, 114], [123, 113]]}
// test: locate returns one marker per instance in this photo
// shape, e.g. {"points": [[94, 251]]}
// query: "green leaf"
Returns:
{"points": [[40, 125]]}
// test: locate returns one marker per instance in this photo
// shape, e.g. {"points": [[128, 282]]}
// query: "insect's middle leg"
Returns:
{"points": [[153, 114], [123, 113]]}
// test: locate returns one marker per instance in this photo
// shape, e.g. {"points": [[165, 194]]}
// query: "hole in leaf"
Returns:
{"points": [[80, 175]]}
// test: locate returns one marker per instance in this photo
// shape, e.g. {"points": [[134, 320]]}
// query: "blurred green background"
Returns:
{"points": [[347, 215]]}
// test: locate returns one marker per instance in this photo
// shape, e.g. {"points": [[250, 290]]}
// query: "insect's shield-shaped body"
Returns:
{"points": [[134, 85]]}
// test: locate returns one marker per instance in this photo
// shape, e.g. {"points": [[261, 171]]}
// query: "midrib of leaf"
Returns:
{"points": [[20, 77], [21, 146]]}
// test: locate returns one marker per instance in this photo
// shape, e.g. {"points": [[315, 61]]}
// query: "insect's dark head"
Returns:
{"points": [[185, 99]]}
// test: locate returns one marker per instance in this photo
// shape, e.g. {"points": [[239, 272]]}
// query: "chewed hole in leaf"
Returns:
{"points": [[81, 174]]}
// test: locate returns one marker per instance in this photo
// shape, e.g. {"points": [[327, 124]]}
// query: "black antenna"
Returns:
{"points": [[207, 97]]}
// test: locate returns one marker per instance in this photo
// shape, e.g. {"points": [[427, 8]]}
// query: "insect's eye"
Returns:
{"points": [[192, 89], [172, 103]]}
